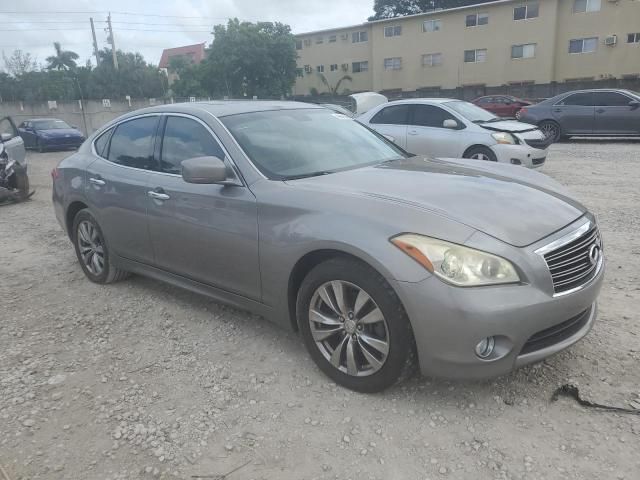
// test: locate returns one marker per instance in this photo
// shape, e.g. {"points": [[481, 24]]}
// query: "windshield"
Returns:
{"points": [[472, 112], [50, 124], [288, 144]]}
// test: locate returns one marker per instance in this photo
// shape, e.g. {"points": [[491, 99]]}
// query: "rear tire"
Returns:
{"points": [[92, 250], [481, 153], [551, 130], [370, 325]]}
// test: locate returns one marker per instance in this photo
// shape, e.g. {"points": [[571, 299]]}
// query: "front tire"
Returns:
{"points": [[354, 326], [551, 130], [481, 153], [92, 250]]}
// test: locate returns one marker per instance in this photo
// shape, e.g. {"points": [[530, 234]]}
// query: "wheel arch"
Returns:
{"points": [[475, 145], [72, 210]]}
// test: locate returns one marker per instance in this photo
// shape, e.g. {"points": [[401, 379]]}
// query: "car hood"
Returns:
{"points": [[61, 132], [513, 204], [508, 126]]}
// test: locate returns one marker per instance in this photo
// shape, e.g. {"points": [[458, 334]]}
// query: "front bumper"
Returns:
{"points": [[528, 322], [520, 155]]}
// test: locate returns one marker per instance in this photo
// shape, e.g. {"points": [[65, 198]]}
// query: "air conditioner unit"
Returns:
{"points": [[345, 67], [611, 40]]}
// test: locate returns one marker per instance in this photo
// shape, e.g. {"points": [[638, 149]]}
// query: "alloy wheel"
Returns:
{"points": [[550, 130], [480, 156], [348, 328], [91, 247]]}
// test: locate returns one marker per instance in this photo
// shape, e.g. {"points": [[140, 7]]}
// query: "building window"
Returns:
{"points": [[394, 63], [583, 45], [477, 19], [584, 6], [525, 12], [359, 37], [633, 38], [320, 69], [332, 39], [319, 40], [393, 31], [298, 44], [431, 59], [432, 25], [475, 56], [527, 50], [307, 42], [334, 67], [307, 68], [299, 72], [358, 67]]}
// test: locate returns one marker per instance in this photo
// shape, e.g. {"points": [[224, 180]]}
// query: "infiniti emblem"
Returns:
{"points": [[594, 254]]}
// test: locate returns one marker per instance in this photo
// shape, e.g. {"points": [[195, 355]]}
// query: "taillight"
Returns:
{"points": [[522, 111], [55, 174]]}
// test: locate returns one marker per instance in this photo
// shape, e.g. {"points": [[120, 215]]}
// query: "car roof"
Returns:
{"points": [[43, 118], [225, 108], [425, 100]]}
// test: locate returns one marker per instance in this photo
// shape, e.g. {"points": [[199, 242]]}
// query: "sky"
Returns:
{"points": [[33, 26]]}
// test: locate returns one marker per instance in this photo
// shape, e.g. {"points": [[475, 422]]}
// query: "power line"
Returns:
{"points": [[49, 12]]}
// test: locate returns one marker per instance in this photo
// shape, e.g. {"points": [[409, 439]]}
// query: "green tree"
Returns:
{"points": [[63, 59], [247, 59], [334, 89], [19, 63], [399, 8]]}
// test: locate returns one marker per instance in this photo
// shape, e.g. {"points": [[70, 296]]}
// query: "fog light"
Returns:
{"points": [[485, 347], [515, 161]]}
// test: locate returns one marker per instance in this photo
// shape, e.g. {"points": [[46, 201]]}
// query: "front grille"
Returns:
{"points": [[552, 335], [538, 161], [539, 143], [575, 263]]}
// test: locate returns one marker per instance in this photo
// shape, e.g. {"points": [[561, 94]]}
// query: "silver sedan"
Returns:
{"points": [[382, 260]]}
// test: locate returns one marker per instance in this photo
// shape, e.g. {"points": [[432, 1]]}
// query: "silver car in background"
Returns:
{"points": [[445, 127], [380, 259]]}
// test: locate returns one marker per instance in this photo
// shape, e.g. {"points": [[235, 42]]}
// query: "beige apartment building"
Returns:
{"points": [[504, 42]]}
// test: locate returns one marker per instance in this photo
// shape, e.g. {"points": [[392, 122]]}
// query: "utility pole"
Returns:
{"points": [[95, 43], [113, 43]]}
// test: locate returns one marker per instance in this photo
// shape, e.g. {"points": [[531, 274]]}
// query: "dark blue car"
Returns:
{"points": [[49, 133]]}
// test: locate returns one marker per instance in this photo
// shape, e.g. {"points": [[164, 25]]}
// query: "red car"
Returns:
{"points": [[502, 105]]}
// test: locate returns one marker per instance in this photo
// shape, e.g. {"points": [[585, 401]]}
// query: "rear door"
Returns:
{"points": [[25, 130], [117, 183], [207, 233], [614, 115], [503, 107], [14, 145], [575, 113], [392, 122], [427, 135]]}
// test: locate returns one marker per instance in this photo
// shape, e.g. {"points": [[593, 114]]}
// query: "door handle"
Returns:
{"points": [[412, 132], [557, 110], [600, 110], [158, 195], [97, 181]]}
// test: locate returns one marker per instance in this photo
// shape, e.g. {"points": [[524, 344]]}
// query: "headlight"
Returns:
{"points": [[455, 264], [505, 138]]}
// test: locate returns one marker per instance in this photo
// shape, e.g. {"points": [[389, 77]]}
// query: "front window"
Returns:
{"points": [[393, 31], [475, 56], [50, 124], [471, 112], [583, 45], [477, 19], [394, 63], [288, 144], [525, 12], [432, 25], [584, 6], [523, 51]]}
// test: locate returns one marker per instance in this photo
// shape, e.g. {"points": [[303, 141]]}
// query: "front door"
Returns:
{"points": [[208, 233], [117, 186], [614, 115], [575, 113], [426, 134], [392, 122], [13, 144]]}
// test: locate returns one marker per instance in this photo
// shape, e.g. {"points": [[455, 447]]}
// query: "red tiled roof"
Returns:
{"points": [[196, 52]]}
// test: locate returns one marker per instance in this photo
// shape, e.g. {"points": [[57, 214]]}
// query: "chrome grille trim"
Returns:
{"points": [[569, 261]]}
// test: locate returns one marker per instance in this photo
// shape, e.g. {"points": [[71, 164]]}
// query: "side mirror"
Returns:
{"points": [[450, 123], [204, 170], [74, 126], [634, 104], [5, 137]]}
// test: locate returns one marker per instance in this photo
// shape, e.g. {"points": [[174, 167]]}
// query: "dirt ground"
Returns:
{"points": [[142, 380]]}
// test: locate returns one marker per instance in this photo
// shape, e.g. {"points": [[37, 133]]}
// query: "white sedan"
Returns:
{"points": [[444, 127]]}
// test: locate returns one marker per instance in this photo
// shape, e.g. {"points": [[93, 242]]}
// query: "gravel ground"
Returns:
{"points": [[143, 380]]}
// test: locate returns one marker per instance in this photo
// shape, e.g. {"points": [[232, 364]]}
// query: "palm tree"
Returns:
{"points": [[335, 89], [63, 59]]}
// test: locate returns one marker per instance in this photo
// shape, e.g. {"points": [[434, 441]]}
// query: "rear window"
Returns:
{"points": [[132, 143], [102, 142], [393, 115]]}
